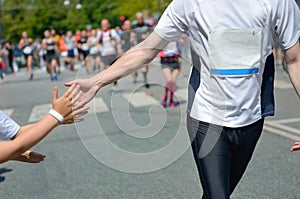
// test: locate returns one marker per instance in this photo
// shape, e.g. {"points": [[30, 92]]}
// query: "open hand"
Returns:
{"points": [[87, 89], [30, 157], [68, 104]]}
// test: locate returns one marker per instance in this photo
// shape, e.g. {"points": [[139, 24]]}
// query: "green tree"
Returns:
{"points": [[34, 16], [130, 7]]}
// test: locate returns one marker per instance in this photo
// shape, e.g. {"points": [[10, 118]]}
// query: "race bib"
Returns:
{"points": [[85, 47], [109, 50], [234, 52], [27, 50], [94, 50]]}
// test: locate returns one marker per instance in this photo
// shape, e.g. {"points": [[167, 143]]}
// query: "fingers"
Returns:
{"points": [[76, 95], [78, 105], [35, 160], [37, 155], [297, 143], [69, 91], [296, 147], [80, 112], [31, 157], [71, 83], [55, 94], [76, 116]]}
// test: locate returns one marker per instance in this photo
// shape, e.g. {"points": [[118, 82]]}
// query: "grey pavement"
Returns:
{"points": [[78, 166]]}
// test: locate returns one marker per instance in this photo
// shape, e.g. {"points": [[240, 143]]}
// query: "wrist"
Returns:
{"points": [[97, 83], [57, 116]]}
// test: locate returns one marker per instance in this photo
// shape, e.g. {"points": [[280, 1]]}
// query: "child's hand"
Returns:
{"points": [[30, 157], [68, 105]]}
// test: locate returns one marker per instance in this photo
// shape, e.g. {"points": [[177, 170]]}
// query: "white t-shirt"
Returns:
{"points": [[226, 78], [108, 42], [8, 127]]}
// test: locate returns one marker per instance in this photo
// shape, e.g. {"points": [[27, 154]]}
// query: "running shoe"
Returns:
{"points": [[164, 101], [54, 78], [31, 77], [173, 104]]}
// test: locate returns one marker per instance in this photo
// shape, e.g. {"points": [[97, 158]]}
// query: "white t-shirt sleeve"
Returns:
{"points": [[8, 127], [287, 22], [174, 21], [98, 35], [115, 35]]}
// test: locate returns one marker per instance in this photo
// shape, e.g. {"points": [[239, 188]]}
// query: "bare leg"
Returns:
{"points": [[144, 70], [29, 67]]}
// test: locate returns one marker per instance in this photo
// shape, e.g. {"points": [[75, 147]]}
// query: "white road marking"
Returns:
{"points": [[281, 133], [38, 112], [285, 128], [8, 112], [98, 105], [283, 121], [140, 99], [283, 85]]}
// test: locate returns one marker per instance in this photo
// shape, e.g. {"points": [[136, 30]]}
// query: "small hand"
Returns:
{"points": [[30, 157], [296, 147], [68, 102]]}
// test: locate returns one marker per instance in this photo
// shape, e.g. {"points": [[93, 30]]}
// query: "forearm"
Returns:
{"points": [[294, 73], [27, 138], [23, 129], [293, 65], [126, 64], [132, 60]]}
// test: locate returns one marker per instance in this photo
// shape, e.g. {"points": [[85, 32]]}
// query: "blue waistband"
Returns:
{"points": [[234, 72]]}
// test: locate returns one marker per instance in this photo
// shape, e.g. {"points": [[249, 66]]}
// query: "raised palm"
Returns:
{"points": [[87, 88]]}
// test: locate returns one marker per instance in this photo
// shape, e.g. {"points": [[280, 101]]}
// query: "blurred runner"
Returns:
{"points": [[94, 51], [110, 44], [9, 53], [50, 45], [142, 30], [83, 50], [25, 44], [72, 51], [169, 59], [128, 40]]}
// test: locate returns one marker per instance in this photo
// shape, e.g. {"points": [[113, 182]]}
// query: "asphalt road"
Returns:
{"points": [[130, 147]]}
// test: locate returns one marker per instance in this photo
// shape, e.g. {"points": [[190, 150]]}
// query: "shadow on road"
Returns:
{"points": [[2, 171]]}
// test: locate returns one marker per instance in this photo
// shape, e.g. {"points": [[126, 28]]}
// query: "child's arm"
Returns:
{"points": [[28, 136]]}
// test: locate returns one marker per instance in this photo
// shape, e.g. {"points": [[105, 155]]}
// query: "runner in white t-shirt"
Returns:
{"points": [[16, 139], [231, 82], [110, 45]]}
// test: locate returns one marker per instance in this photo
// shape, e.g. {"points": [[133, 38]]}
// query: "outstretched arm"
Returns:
{"points": [[131, 61], [28, 136], [292, 57]]}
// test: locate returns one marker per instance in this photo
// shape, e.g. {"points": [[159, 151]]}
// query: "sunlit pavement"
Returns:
{"points": [[126, 117]]}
